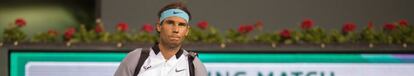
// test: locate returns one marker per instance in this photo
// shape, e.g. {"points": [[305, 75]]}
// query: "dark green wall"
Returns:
{"points": [[276, 14], [42, 15]]}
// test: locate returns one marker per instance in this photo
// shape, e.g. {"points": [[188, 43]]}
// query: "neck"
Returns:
{"points": [[168, 52]]}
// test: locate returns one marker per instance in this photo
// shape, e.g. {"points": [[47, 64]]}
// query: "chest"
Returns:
{"points": [[155, 66]]}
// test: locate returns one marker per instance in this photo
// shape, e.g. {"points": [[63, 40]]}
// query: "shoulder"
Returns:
{"points": [[135, 52], [199, 68], [128, 64], [132, 57]]}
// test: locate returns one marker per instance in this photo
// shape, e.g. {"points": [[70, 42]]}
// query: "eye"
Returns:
{"points": [[182, 24], [169, 22]]}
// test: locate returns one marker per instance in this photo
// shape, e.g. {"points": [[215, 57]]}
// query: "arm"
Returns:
{"points": [[199, 68]]}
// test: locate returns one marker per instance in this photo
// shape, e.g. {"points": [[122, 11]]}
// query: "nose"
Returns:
{"points": [[175, 28]]}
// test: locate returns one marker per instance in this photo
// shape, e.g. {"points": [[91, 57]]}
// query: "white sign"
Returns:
{"points": [[71, 68], [310, 69], [233, 69]]}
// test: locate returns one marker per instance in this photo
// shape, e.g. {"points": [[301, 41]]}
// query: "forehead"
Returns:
{"points": [[175, 19]]}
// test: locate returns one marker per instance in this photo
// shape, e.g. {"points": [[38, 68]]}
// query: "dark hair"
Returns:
{"points": [[175, 5]]}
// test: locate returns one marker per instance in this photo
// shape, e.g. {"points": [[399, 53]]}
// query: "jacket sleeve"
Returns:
{"points": [[199, 68], [128, 64]]}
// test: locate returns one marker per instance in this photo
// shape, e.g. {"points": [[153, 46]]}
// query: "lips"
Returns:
{"points": [[174, 37]]}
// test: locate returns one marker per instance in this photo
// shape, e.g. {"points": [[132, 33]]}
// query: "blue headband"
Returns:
{"points": [[174, 12]]}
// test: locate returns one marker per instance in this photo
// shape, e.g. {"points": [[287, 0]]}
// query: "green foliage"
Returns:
{"points": [[13, 33]]}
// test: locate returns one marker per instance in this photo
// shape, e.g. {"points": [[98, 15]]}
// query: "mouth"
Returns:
{"points": [[174, 38]]}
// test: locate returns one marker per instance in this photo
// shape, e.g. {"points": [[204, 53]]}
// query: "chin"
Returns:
{"points": [[174, 44]]}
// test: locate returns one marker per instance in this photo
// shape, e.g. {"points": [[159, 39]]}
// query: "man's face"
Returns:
{"points": [[173, 31]]}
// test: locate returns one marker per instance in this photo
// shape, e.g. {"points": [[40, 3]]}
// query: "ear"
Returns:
{"points": [[188, 30], [158, 27]]}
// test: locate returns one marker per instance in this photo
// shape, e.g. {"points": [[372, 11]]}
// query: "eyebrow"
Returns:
{"points": [[182, 23], [169, 21], [175, 21]]}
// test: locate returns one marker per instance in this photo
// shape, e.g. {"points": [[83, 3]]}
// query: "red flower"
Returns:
{"points": [[52, 32], [249, 28], [389, 26], [246, 28], [202, 24], [69, 33], [98, 28], [147, 28], [348, 27], [370, 25], [285, 34], [403, 22], [241, 29], [20, 22], [307, 24], [122, 26]]}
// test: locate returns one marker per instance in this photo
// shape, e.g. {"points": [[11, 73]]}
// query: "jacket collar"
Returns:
{"points": [[156, 50]]}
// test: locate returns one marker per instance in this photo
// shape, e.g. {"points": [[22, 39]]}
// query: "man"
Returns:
{"points": [[165, 58]]}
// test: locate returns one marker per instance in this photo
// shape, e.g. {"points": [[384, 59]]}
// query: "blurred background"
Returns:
{"points": [[275, 14], [269, 37]]}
